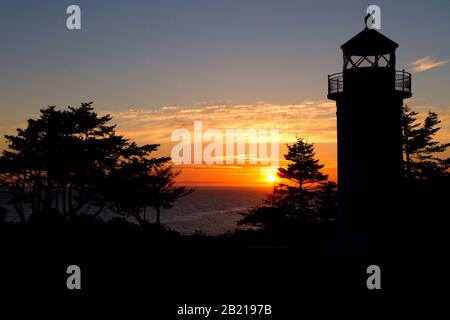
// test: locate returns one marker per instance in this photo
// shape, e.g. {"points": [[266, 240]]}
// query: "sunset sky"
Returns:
{"points": [[156, 66]]}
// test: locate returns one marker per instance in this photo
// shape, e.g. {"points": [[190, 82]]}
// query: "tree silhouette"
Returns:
{"points": [[68, 160], [58, 160], [303, 168], [420, 147], [127, 187], [308, 196], [140, 181], [326, 200], [164, 193]]}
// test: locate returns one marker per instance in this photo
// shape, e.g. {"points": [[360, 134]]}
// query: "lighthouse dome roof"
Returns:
{"points": [[367, 43]]}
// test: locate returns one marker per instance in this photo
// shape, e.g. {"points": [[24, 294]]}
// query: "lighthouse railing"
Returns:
{"points": [[335, 83], [402, 81]]}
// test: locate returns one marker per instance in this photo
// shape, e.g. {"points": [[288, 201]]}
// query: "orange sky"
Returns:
{"points": [[248, 175], [314, 121]]}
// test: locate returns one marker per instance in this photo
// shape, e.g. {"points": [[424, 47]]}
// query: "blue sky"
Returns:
{"points": [[152, 54]]}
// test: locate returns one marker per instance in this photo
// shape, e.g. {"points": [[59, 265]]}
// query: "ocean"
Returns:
{"points": [[212, 210], [208, 210]]}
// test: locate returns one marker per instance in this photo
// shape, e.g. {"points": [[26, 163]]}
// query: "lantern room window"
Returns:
{"points": [[377, 61]]}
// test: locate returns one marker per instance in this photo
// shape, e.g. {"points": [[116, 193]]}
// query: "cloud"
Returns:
{"points": [[427, 63], [314, 120]]}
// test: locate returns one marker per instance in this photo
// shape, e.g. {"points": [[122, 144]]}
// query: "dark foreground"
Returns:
{"points": [[154, 272]]}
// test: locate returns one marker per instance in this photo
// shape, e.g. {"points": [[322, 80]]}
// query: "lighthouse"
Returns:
{"points": [[369, 94]]}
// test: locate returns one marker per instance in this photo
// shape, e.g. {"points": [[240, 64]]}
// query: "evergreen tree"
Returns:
{"points": [[303, 169], [420, 147], [163, 191], [308, 196], [140, 181], [68, 160]]}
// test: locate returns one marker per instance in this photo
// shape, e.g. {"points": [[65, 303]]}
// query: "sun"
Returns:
{"points": [[271, 177]]}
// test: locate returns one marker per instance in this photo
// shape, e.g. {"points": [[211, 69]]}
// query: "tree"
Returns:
{"points": [[303, 169], [67, 160], [326, 200], [420, 147], [127, 187], [163, 190], [141, 181], [308, 196], [58, 161]]}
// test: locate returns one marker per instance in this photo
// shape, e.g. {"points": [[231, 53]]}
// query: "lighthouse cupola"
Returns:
{"points": [[369, 60], [371, 49]]}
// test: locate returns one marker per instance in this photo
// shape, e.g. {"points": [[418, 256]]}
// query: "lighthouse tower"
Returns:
{"points": [[369, 95]]}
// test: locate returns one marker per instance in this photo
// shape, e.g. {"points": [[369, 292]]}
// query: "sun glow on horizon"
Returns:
{"points": [[271, 177]]}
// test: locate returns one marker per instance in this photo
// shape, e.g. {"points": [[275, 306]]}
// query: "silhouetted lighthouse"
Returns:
{"points": [[369, 95]]}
